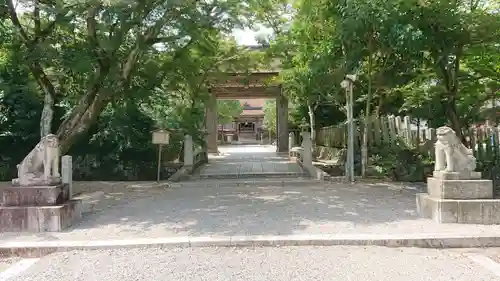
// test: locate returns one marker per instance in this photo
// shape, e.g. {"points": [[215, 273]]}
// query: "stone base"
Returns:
{"points": [[40, 218], [459, 189], [472, 211], [457, 175], [35, 195], [38, 182]]}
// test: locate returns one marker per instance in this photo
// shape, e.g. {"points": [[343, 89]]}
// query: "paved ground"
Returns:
{"points": [[240, 161], [222, 208], [232, 208], [6, 263], [235, 264], [269, 207]]}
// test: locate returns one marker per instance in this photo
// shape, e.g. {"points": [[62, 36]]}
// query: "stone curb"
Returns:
{"points": [[199, 183], [41, 248], [289, 175]]}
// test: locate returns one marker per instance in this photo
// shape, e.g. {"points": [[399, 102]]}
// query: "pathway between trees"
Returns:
{"points": [[249, 161]]}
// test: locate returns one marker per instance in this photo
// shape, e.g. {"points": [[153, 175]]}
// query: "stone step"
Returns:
{"points": [[250, 182], [252, 175]]}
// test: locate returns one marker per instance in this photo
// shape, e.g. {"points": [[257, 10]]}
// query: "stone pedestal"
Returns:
{"points": [[37, 208], [450, 199]]}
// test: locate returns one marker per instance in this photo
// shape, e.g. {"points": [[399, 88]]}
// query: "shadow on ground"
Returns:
{"points": [[256, 210], [220, 208]]}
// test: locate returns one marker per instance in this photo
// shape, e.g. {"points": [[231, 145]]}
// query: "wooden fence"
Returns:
{"points": [[391, 130]]}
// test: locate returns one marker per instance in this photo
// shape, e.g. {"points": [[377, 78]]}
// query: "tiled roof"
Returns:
{"points": [[252, 112], [252, 102]]}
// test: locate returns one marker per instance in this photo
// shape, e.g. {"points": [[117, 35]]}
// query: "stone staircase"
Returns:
{"points": [[253, 175], [250, 169], [249, 162], [248, 182]]}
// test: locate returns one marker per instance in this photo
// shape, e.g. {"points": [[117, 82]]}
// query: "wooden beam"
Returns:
{"points": [[246, 92], [233, 79]]}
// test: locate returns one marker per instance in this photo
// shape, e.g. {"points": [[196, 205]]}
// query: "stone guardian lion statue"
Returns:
{"points": [[451, 154], [41, 165]]}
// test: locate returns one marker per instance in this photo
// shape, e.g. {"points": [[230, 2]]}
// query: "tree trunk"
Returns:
{"points": [[379, 105], [418, 132], [35, 67], [366, 127], [85, 112], [450, 75], [451, 113], [47, 116], [311, 120], [49, 92], [79, 121]]}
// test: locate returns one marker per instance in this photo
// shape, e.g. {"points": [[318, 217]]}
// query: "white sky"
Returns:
{"points": [[247, 36]]}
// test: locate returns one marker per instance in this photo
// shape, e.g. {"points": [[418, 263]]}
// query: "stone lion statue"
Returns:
{"points": [[451, 154], [41, 165]]}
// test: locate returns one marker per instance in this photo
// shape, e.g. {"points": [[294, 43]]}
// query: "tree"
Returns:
{"points": [[412, 57], [227, 110], [269, 121], [108, 46], [449, 33]]}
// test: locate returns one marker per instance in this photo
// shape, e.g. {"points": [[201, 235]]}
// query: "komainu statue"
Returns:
{"points": [[41, 165], [451, 154]]}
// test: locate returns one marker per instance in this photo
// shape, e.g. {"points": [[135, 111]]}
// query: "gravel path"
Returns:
{"points": [[274, 264]]}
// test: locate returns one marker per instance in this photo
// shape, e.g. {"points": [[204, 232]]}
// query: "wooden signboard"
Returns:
{"points": [[161, 137]]}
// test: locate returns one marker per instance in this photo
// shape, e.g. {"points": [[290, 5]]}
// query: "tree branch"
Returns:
{"points": [[92, 34], [456, 69], [144, 39], [36, 16], [15, 21]]}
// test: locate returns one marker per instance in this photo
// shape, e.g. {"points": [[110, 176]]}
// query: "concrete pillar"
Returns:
{"points": [[307, 146], [67, 173], [211, 123], [188, 150], [282, 123], [291, 139], [407, 129]]}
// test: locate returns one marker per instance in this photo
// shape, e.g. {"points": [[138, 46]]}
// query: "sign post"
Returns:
{"points": [[160, 137]]}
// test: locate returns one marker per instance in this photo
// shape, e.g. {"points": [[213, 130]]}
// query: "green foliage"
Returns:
{"points": [[403, 51], [270, 115], [400, 163], [106, 74], [124, 132], [437, 61], [85, 55], [227, 110]]}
